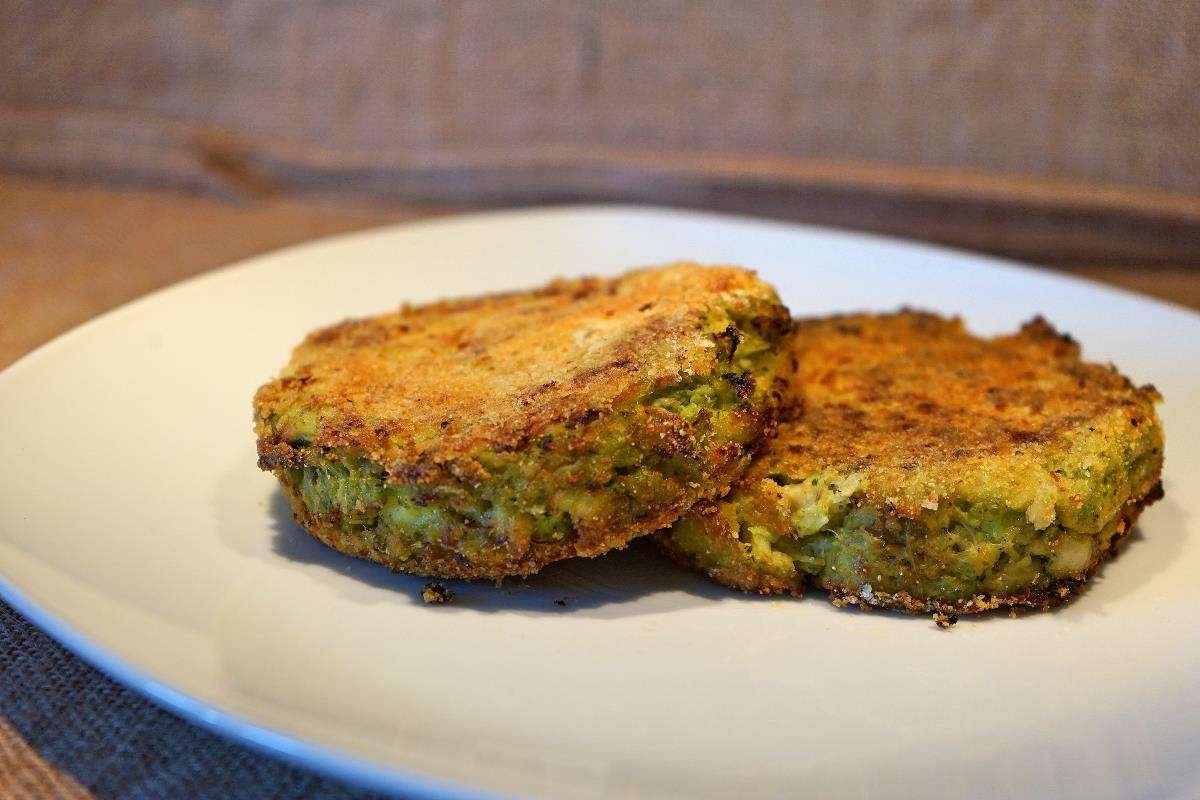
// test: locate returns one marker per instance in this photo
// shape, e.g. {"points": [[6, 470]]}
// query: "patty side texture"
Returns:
{"points": [[487, 437], [932, 470]]}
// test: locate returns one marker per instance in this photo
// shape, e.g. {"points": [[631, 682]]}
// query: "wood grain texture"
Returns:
{"points": [[1096, 91], [69, 252], [25, 775], [1006, 127]]}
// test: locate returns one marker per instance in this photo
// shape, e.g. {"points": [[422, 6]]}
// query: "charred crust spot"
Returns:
{"points": [[588, 376], [411, 473], [944, 621], [743, 384], [586, 288], [583, 418], [1061, 336], [1023, 437], [727, 342], [773, 327], [329, 334]]}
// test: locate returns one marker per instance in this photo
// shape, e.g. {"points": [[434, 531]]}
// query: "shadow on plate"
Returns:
{"points": [[636, 580]]}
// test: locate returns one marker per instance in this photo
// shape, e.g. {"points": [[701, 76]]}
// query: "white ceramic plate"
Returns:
{"points": [[135, 527]]}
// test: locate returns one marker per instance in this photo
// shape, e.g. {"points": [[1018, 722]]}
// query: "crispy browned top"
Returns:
{"points": [[432, 383], [916, 408]]}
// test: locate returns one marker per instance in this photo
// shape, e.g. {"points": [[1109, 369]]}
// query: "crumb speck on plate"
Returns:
{"points": [[436, 594], [944, 621]]}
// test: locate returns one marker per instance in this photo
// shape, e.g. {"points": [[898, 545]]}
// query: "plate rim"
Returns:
{"points": [[567, 209], [294, 750]]}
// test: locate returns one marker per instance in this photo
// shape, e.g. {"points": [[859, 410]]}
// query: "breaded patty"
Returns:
{"points": [[487, 437], [932, 470]]}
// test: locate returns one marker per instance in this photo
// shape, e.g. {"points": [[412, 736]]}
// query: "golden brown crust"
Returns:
{"points": [[488, 437], [913, 402], [433, 385], [922, 427]]}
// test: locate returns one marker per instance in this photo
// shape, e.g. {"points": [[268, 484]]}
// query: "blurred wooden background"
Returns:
{"points": [[1067, 134]]}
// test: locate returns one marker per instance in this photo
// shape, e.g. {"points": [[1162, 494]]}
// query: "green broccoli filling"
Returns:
{"points": [[954, 552], [950, 552], [569, 479], [1046, 522]]}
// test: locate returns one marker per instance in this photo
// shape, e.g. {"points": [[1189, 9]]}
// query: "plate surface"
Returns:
{"points": [[135, 527]]}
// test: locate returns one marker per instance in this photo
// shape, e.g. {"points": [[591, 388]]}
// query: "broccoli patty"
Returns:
{"points": [[487, 437], [930, 470]]}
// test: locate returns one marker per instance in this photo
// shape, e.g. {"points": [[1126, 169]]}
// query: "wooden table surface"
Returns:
{"points": [[71, 251]]}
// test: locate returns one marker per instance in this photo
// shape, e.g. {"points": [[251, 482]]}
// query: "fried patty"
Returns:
{"points": [[930, 470], [487, 437]]}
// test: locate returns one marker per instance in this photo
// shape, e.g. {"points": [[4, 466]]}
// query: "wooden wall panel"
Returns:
{"points": [[806, 110]]}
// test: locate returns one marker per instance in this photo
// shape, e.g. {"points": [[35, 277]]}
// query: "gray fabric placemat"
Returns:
{"points": [[67, 730]]}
